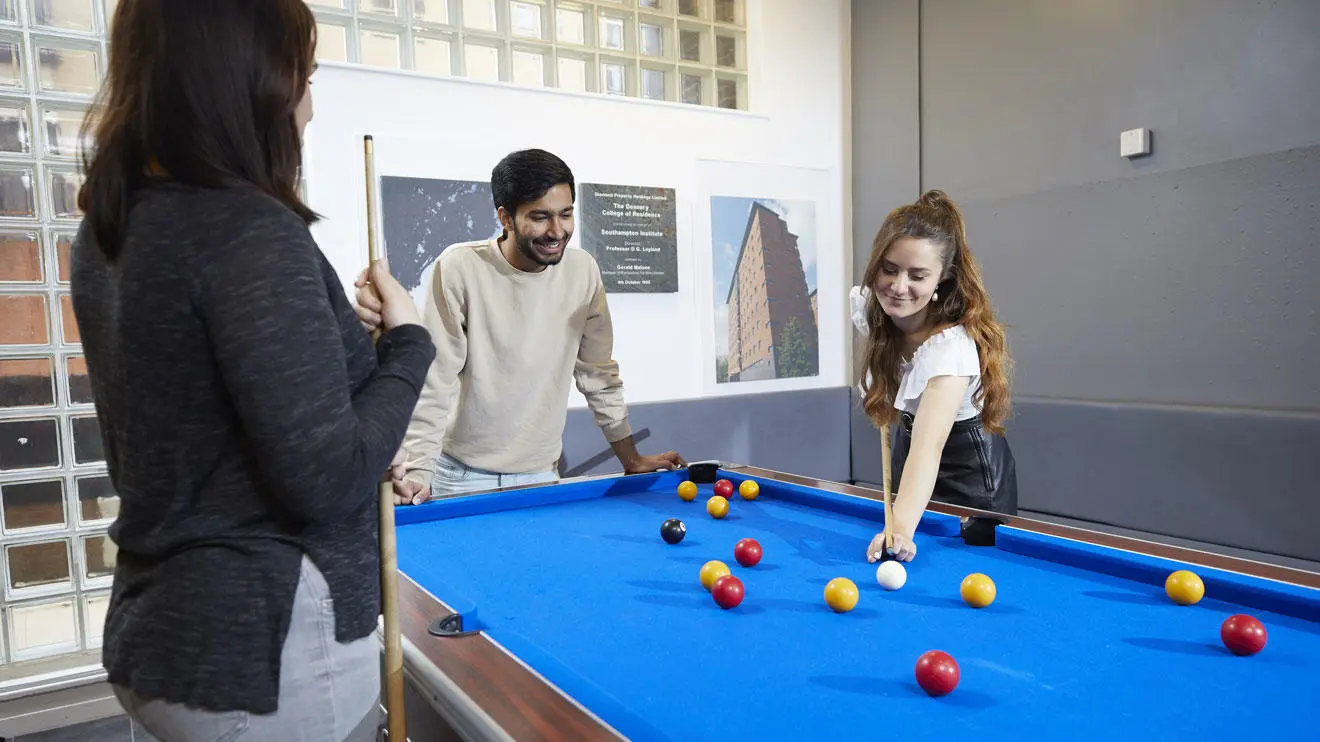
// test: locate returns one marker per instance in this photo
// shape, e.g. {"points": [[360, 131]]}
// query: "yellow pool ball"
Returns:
{"points": [[1184, 587], [749, 489], [717, 506], [712, 571], [977, 590], [687, 491], [841, 594]]}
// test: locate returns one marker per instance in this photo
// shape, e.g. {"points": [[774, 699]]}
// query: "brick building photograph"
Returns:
{"points": [[765, 289]]}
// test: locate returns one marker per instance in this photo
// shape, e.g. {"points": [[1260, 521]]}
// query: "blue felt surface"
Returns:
{"points": [[586, 592]]}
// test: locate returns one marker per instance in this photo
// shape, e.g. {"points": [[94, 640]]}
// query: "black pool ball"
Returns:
{"points": [[673, 531]]}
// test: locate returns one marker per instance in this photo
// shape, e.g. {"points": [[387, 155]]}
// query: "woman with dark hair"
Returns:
{"points": [[246, 415], [937, 364]]}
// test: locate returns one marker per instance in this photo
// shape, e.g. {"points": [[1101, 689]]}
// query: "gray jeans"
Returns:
{"points": [[329, 692]]}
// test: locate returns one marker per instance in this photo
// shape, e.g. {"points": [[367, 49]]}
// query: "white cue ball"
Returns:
{"points": [[891, 575]]}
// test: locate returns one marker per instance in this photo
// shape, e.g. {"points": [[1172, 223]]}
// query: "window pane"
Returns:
{"points": [[483, 62], [38, 565], [25, 319], [570, 26], [11, 62], [27, 382], [64, 187], [726, 51], [63, 244], [528, 68], [29, 444], [728, 93], [17, 198], [525, 19], [611, 33], [87, 446], [337, 4], [73, 15], [649, 3], [689, 45], [68, 321], [431, 11], [726, 11], [67, 69], [94, 609], [42, 629], [20, 257], [62, 128], [331, 42], [97, 499], [99, 557], [689, 7], [653, 84], [387, 7], [479, 14], [8, 13], [653, 40], [573, 74], [15, 129], [692, 89], [80, 387], [380, 49], [612, 79], [33, 504], [432, 56]]}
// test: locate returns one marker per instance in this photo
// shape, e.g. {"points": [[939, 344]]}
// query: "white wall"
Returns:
{"points": [[789, 145]]}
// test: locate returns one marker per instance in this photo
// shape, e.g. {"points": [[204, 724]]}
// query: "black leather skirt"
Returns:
{"points": [[977, 470]]}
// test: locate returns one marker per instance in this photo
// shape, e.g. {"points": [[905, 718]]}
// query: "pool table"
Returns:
{"points": [[557, 612]]}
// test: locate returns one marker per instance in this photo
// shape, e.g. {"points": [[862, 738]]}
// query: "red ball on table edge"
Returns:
{"points": [[937, 673], [1243, 635], [747, 552], [727, 591]]}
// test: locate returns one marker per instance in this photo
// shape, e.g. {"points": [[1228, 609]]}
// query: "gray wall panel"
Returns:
{"points": [[803, 432]]}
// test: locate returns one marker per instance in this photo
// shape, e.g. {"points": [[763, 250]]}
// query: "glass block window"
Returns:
{"points": [[683, 51], [56, 498]]}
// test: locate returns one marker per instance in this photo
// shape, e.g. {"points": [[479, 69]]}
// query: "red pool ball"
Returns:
{"points": [[747, 552], [727, 591], [937, 673], [724, 488], [1243, 634]]}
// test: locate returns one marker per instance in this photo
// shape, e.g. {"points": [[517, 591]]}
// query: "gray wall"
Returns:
{"points": [[1163, 312], [802, 432]]}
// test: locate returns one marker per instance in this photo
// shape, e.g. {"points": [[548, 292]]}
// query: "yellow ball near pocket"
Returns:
{"points": [[717, 506], [977, 590], [688, 491], [712, 571], [841, 594], [1184, 587]]}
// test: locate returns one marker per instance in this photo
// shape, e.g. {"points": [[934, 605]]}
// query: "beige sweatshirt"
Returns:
{"points": [[507, 343]]}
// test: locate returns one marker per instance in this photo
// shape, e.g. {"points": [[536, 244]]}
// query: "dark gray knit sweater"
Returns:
{"points": [[247, 419]]}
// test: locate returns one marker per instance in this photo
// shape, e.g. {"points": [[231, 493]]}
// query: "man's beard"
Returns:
{"points": [[528, 250]]}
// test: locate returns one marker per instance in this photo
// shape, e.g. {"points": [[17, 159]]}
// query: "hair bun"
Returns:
{"points": [[935, 197]]}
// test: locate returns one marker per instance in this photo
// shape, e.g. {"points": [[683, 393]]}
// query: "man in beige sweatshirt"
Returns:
{"points": [[514, 320]]}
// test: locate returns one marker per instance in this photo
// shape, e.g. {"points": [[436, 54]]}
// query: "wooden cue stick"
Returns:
{"points": [[889, 506], [389, 579]]}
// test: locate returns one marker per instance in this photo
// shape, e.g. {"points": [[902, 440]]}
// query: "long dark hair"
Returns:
{"points": [[962, 300], [203, 93]]}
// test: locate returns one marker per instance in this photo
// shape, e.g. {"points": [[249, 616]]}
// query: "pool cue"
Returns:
{"points": [[889, 506], [389, 557]]}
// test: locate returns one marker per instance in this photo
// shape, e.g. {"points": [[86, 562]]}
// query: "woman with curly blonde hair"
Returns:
{"points": [[937, 364]]}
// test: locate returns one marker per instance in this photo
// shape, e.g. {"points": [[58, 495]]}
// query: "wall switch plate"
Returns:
{"points": [[1134, 142]]}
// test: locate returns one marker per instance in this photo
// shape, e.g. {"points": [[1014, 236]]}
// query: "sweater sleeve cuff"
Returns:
{"points": [[409, 350], [616, 430]]}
